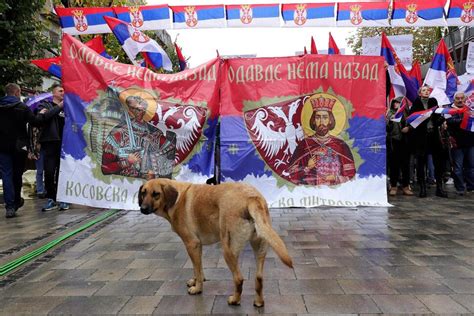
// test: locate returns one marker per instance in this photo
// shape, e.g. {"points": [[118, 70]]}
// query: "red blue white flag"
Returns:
{"points": [[362, 14], [150, 17], [416, 118], [418, 13], [98, 45], [314, 50], [133, 41], [308, 14], [460, 13], [182, 61], [198, 16], [51, 65], [405, 104], [332, 47], [253, 15], [441, 75], [415, 74], [80, 21]]}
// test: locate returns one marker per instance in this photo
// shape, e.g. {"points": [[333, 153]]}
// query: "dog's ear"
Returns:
{"points": [[140, 198], [171, 195]]}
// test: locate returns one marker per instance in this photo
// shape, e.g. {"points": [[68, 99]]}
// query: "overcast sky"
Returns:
{"points": [[201, 44]]}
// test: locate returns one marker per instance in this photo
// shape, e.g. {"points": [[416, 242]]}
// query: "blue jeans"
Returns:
{"points": [[39, 173], [463, 168], [11, 168]]}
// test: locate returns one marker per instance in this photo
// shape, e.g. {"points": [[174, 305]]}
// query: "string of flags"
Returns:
{"points": [[79, 21]]}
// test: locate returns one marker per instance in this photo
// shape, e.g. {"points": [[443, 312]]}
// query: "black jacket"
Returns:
{"points": [[14, 115], [53, 130]]}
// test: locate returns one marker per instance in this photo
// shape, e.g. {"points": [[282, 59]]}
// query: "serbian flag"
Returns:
{"points": [[150, 17], [460, 13], [314, 50], [415, 74], [418, 13], [441, 75], [362, 14], [80, 21], [181, 59], [253, 15], [51, 65], [98, 45], [397, 117], [419, 117], [332, 47], [467, 122], [198, 16], [402, 85], [308, 14], [133, 41]]}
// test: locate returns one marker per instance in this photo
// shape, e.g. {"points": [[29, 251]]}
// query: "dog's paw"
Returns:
{"points": [[233, 301], [258, 303], [191, 282], [193, 290]]}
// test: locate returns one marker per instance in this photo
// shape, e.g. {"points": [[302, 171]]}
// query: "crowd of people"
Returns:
{"points": [[438, 147], [16, 124]]}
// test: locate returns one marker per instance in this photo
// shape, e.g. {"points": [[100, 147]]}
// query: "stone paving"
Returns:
{"points": [[414, 258]]}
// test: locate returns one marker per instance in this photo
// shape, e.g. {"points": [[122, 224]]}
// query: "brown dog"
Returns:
{"points": [[232, 213]]}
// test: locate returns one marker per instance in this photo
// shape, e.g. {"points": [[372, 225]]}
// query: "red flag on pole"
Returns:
{"points": [[313, 46]]}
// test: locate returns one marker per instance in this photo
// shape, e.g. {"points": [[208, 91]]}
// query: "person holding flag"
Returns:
{"points": [[426, 139], [462, 147], [398, 152]]}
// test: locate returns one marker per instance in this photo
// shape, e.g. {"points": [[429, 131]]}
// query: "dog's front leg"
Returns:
{"points": [[194, 249]]}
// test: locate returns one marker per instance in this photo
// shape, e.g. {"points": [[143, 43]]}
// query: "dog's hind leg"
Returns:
{"points": [[259, 247], [231, 256], [194, 249]]}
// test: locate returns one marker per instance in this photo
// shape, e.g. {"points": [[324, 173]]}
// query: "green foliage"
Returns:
{"points": [[423, 39], [23, 38]]}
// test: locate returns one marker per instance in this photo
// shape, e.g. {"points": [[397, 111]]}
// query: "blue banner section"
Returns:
{"points": [[74, 143], [203, 161]]}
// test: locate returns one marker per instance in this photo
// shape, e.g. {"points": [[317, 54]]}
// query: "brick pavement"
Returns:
{"points": [[417, 257]]}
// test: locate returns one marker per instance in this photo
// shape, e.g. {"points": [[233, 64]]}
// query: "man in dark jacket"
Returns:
{"points": [[426, 139], [462, 149], [51, 140], [14, 115]]}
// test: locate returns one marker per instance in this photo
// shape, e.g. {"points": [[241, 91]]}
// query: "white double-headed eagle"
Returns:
{"points": [[188, 127], [272, 140]]}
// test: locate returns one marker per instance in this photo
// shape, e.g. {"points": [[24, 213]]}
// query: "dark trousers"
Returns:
{"points": [[399, 161], [440, 156], [463, 168], [52, 155], [12, 166]]}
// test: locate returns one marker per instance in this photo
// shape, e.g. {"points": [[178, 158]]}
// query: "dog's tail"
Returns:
{"points": [[259, 212]]}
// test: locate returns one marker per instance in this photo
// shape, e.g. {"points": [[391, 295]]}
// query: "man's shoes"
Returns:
{"points": [[440, 192], [41, 195], [50, 206], [393, 191], [10, 213], [63, 206], [460, 193], [407, 191], [20, 204]]}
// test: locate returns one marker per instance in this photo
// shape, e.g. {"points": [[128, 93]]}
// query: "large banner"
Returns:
{"points": [[126, 123], [306, 131]]}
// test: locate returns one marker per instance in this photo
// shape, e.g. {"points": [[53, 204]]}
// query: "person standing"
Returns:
{"points": [[426, 139], [398, 151], [462, 149], [50, 140], [14, 115]]}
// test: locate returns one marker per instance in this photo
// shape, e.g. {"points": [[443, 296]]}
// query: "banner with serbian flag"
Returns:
{"points": [[149, 17], [304, 130], [308, 14], [418, 13], [125, 124], [253, 15], [460, 13], [51, 65], [198, 16], [362, 14], [133, 41], [332, 47], [81, 21]]}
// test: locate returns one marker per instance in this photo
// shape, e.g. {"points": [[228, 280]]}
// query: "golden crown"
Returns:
{"points": [[355, 8], [245, 7], [77, 13], [467, 5], [300, 7], [190, 10], [411, 7], [322, 104], [134, 9]]}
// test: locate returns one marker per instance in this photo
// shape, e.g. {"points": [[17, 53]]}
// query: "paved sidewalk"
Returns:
{"points": [[417, 257]]}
